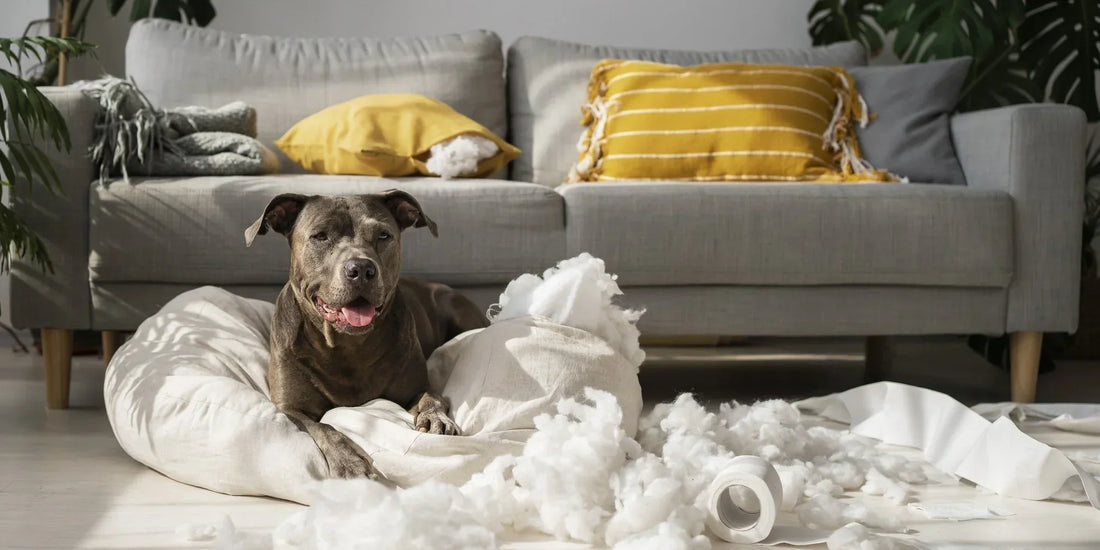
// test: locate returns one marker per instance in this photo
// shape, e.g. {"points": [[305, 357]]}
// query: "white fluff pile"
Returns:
{"points": [[578, 292], [365, 514], [460, 155], [581, 478], [857, 537]]}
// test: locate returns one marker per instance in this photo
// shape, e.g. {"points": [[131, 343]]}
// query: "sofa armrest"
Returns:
{"points": [[1036, 153], [61, 299]]}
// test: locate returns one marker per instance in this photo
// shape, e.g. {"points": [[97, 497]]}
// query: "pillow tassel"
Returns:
{"points": [[840, 136], [595, 117]]}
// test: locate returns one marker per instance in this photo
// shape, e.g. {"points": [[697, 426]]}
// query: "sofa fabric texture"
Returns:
{"points": [[59, 299], [489, 230], [1035, 153], [288, 79], [547, 82], [792, 234]]}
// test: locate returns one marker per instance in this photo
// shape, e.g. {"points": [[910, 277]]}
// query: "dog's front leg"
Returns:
{"points": [[345, 458], [430, 415]]}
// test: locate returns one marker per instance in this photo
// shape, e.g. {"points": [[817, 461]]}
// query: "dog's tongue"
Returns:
{"points": [[358, 315]]}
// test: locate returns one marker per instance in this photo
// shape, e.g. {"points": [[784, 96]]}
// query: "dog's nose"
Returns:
{"points": [[360, 269]]}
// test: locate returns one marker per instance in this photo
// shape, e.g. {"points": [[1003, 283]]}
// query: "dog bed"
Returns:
{"points": [[188, 396]]}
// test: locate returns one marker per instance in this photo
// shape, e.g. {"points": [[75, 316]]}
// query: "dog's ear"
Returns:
{"points": [[279, 216], [407, 211]]}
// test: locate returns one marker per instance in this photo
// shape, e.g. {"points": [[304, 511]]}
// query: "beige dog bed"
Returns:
{"points": [[187, 396]]}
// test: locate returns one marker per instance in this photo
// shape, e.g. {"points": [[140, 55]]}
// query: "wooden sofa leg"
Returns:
{"points": [[112, 339], [1023, 354], [878, 353], [57, 354]]}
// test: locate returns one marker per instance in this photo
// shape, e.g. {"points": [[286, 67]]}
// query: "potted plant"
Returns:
{"points": [[72, 21], [70, 24], [1024, 51], [27, 118]]}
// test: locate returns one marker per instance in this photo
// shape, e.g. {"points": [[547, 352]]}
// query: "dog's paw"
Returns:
{"points": [[347, 461], [434, 421]]}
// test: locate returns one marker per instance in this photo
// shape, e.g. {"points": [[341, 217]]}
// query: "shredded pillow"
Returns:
{"points": [[722, 122], [395, 135]]}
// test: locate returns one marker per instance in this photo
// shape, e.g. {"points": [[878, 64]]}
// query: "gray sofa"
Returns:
{"points": [[997, 255]]}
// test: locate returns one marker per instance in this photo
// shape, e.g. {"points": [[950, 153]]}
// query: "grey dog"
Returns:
{"points": [[347, 327]]}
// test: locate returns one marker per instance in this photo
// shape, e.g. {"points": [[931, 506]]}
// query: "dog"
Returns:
{"points": [[347, 327]]}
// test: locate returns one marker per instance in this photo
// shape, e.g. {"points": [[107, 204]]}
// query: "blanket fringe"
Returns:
{"points": [[129, 129]]}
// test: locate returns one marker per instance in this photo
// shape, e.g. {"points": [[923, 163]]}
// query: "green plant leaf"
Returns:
{"points": [[982, 29], [168, 9], [29, 121], [198, 12], [16, 237], [202, 11], [30, 113], [140, 9], [7, 171], [940, 29], [1060, 43], [834, 21]]}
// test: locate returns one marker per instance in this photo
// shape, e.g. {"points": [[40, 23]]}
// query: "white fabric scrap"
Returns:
{"points": [[957, 440], [960, 511], [1070, 417], [460, 155], [579, 293]]}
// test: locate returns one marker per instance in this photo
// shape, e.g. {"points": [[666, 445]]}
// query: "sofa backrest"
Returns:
{"points": [[547, 80], [287, 79]]}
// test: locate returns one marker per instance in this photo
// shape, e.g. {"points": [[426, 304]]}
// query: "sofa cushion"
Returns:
{"points": [[663, 233], [547, 80], [912, 104], [191, 230], [287, 79]]}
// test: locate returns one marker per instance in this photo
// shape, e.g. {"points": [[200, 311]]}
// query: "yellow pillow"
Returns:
{"points": [[383, 135], [721, 122]]}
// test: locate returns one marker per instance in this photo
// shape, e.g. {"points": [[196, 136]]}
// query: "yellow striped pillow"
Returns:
{"points": [[722, 122]]}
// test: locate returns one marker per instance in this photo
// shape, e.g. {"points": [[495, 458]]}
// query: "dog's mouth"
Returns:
{"points": [[356, 313]]}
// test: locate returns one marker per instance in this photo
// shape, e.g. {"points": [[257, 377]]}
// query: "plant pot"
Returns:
{"points": [[1086, 343]]}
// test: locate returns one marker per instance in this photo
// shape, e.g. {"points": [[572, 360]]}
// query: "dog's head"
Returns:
{"points": [[345, 252]]}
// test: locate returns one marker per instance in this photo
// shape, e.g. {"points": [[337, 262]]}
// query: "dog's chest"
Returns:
{"points": [[350, 378]]}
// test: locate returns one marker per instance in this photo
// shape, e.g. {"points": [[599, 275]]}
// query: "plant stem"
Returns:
{"points": [[62, 59]]}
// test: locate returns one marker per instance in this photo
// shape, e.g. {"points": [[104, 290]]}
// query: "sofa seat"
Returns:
{"points": [[674, 233], [191, 230]]}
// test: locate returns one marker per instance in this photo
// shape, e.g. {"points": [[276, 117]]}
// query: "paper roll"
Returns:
{"points": [[743, 500]]}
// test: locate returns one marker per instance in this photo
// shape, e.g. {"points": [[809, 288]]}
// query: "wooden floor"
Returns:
{"points": [[64, 482]]}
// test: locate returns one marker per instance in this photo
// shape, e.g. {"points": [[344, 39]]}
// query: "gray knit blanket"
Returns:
{"points": [[135, 137]]}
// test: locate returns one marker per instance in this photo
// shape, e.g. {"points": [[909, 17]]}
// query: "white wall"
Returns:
{"points": [[685, 24]]}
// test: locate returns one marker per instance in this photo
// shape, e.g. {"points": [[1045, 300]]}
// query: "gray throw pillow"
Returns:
{"points": [[911, 134]]}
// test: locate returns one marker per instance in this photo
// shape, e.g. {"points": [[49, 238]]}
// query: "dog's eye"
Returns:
{"points": [[319, 237], [384, 235]]}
